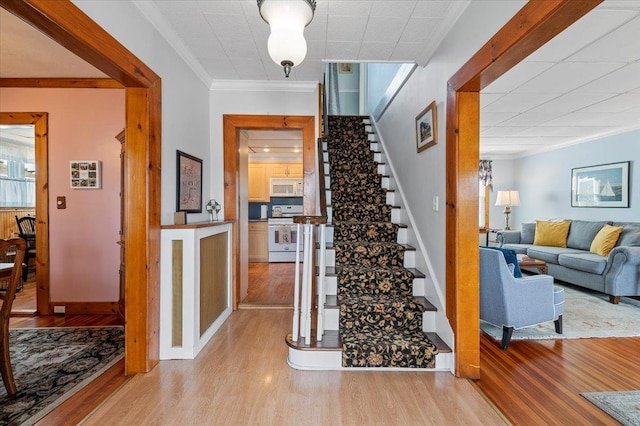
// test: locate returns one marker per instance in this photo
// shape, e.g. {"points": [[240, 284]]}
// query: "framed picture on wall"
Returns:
{"points": [[426, 128], [189, 183], [605, 185], [85, 174]]}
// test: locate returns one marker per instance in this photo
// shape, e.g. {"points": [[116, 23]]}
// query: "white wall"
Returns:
{"points": [[422, 176], [503, 180], [254, 98], [544, 180], [185, 98]]}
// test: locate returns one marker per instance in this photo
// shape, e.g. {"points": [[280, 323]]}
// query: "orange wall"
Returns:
{"points": [[83, 124]]}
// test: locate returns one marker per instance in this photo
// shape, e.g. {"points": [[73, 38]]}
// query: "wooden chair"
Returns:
{"points": [[7, 298], [27, 231]]}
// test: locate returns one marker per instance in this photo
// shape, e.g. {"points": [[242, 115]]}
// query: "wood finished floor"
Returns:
{"points": [[241, 378], [270, 284], [538, 382], [534, 382]]}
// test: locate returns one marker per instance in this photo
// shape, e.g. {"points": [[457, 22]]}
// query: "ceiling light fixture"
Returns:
{"points": [[287, 20]]}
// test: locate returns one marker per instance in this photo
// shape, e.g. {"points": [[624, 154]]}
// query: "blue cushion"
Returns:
{"points": [[511, 258]]}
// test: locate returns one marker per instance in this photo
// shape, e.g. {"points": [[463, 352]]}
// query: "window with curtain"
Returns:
{"points": [[485, 186], [17, 167]]}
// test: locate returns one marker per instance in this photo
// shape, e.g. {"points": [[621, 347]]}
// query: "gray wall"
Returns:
{"points": [[544, 180]]}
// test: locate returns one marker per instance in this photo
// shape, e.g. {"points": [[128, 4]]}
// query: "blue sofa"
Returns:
{"points": [[616, 275]]}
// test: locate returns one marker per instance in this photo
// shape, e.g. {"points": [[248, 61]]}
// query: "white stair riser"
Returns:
{"points": [[332, 360], [332, 320]]}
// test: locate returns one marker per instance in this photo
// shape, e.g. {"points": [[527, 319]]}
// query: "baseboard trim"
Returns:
{"points": [[87, 308]]}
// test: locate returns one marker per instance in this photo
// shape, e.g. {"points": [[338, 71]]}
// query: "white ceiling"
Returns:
{"points": [[583, 84]]}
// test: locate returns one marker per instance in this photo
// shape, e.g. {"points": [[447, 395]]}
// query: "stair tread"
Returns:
{"points": [[332, 272], [331, 302], [393, 207]]}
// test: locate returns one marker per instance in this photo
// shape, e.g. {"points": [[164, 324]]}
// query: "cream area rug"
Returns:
{"points": [[622, 406], [587, 314]]}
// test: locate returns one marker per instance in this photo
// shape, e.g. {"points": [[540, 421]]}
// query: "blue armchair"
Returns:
{"points": [[512, 303]]}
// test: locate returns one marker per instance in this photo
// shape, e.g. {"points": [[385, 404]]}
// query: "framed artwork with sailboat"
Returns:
{"points": [[605, 185]]}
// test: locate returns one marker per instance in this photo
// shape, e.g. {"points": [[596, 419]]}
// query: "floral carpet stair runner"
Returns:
{"points": [[380, 322]]}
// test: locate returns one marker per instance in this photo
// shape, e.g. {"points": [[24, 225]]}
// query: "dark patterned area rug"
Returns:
{"points": [[622, 406], [51, 364]]}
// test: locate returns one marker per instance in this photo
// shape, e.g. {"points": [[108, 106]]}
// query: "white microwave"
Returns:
{"points": [[286, 187]]}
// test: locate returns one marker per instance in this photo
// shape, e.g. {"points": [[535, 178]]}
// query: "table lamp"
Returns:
{"points": [[508, 199]]}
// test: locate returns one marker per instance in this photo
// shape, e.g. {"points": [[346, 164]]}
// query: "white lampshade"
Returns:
{"points": [[508, 198], [287, 20]]}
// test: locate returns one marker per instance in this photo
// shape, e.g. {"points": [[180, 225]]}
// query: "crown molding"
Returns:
{"points": [[153, 15], [264, 86], [444, 27]]}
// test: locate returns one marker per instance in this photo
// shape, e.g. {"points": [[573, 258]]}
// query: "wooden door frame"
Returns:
{"points": [[232, 124], [40, 123], [66, 24], [533, 26]]}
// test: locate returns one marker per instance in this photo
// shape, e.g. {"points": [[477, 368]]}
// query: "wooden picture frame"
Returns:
{"points": [[427, 128], [85, 174], [604, 185], [189, 183]]}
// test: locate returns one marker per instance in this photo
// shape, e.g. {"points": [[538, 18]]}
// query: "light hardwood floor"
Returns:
{"points": [[270, 284], [241, 378]]}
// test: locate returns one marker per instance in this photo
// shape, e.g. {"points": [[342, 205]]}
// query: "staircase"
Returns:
{"points": [[375, 315]]}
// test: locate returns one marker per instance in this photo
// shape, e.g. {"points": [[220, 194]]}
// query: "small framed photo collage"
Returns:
{"points": [[85, 174]]}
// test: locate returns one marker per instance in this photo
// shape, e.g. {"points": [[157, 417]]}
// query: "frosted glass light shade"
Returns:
{"points": [[287, 20]]}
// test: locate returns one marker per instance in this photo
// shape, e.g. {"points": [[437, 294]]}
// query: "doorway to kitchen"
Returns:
{"points": [[275, 192], [237, 172]]}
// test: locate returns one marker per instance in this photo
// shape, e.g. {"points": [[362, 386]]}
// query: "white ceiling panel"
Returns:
{"points": [[376, 51], [399, 9], [620, 103], [355, 8], [571, 102], [595, 119], [430, 9], [571, 89], [516, 77], [519, 102], [383, 29], [621, 45], [566, 76], [346, 28], [620, 81], [589, 28], [417, 30], [343, 50]]}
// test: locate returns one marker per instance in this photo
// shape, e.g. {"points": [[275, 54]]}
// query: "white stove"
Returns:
{"points": [[282, 233]]}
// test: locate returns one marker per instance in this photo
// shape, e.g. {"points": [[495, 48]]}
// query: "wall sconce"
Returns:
{"points": [[508, 199], [287, 20]]}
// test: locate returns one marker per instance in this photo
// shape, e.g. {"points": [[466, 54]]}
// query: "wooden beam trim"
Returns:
{"points": [[69, 26], [536, 23], [66, 83], [533, 26]]}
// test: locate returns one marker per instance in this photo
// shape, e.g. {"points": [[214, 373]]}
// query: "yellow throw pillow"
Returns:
{"points": [[553, 234], [604, 241]]}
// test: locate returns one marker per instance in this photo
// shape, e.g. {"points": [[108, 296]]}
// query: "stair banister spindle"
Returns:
{"points": [[321, 274], [304, 306], [308, 253], [296, 291]]}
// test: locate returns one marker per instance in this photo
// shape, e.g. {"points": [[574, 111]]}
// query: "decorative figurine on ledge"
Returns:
{"points": [[213, 206]]}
